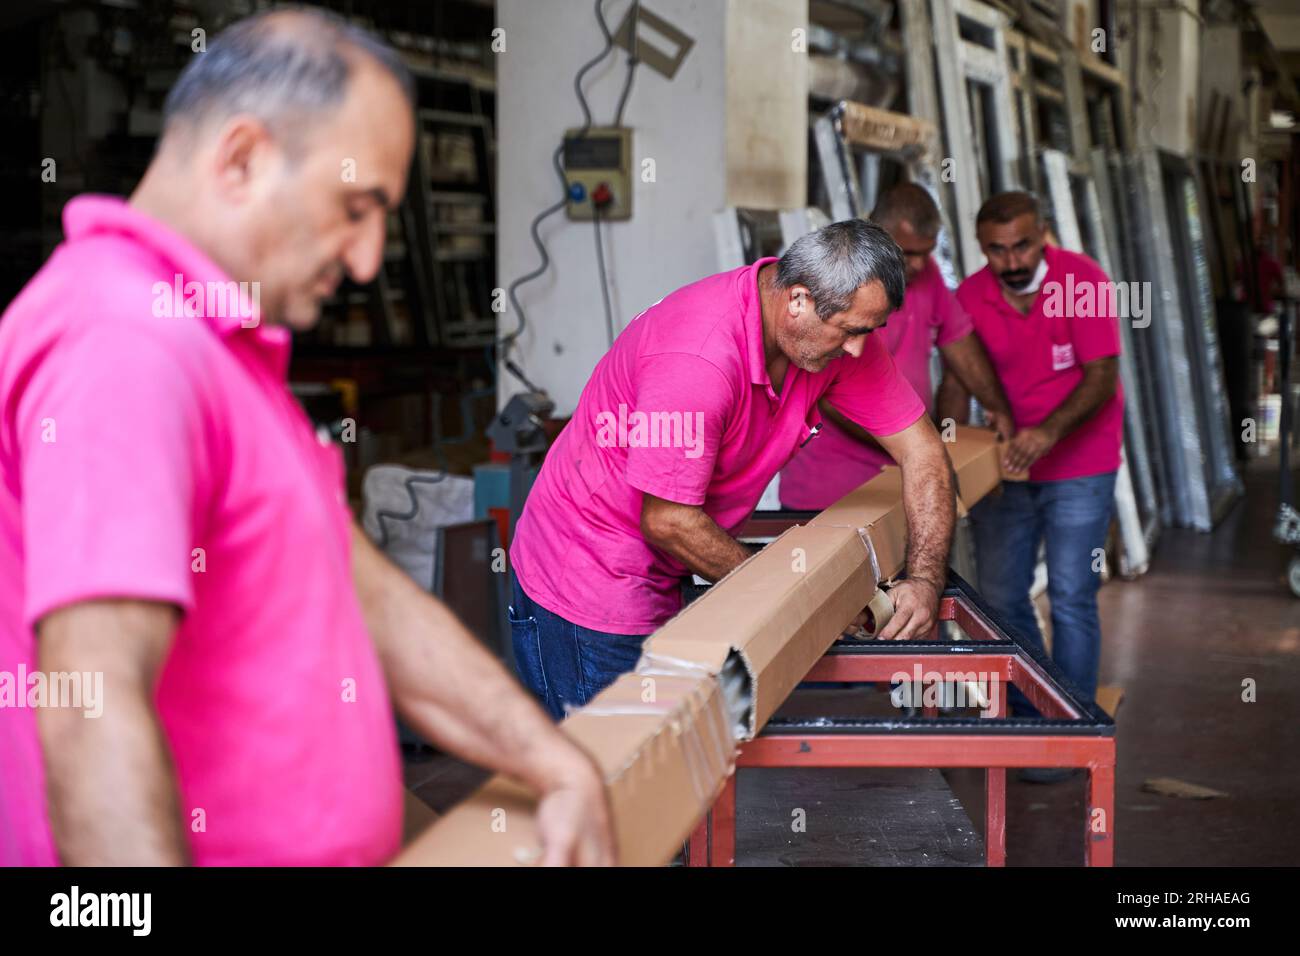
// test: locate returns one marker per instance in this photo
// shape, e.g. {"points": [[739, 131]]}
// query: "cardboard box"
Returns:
{"points": [[774, 616], [665, 747], [716, 673], [713, 674], [976, 458], [876, 508]]}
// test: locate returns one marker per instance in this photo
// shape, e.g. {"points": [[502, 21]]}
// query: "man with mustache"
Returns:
{"points": [[168, 518], [845, 456], [1061, 375], [614, 520]]}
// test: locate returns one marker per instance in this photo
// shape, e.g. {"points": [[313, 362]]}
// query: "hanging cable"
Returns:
{"points": [[604, 283], [633, 44], [577, 80], [506, 343], [467, 433]]}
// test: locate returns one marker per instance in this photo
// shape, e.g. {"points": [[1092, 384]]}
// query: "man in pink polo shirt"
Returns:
{"points": [[700, 401], [844, 456], [174, 539], [1047, 318]]}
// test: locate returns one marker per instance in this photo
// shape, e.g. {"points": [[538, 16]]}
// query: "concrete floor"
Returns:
{"points": [[1213, 611]]}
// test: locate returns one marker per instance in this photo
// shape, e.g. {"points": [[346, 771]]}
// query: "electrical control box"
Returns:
{"points": [[598, 170]]}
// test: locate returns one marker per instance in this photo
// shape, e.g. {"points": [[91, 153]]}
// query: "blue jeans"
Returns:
{"points": [[1072, 517], [563, 664]]}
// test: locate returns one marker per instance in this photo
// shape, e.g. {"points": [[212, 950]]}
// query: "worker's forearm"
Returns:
{"points": [[1096, 388], [446, 684], [847, 425], [967, 360], [951, 401], [929, 501], [696, 541], [110, 784]]}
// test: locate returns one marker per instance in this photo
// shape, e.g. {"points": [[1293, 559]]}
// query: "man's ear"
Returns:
{"points": [[800, 300], [243, 146]]}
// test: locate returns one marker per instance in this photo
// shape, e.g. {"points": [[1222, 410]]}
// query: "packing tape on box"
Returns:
{"points": [[881, 609], [715, 760], [710, 751], [871, 553], [736, 693], [663, 665]]}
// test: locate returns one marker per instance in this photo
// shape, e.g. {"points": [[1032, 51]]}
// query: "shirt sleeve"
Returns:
{"points": [[105, 431], [953, 320], [683, 406], [1095, 333], [870, 391], [965, 295]]}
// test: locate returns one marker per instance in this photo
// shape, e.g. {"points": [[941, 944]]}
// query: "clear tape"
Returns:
{"points": [[735, 701], [665, 666], [865, 535], [880, 606], [709, 749]]}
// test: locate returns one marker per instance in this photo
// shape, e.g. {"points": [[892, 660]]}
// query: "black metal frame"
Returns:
{"points": [[1095, 722]]}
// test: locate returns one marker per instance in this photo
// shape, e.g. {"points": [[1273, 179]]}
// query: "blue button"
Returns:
{"points": [[577, 193]]}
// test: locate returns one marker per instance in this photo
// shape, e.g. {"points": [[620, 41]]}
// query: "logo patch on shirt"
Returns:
{"points": [[1062, 356]]}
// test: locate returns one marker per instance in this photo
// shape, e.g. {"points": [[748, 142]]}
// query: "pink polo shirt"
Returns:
{"points": [[681, 408], [1039, 356], [152, 455], [835, 463]]}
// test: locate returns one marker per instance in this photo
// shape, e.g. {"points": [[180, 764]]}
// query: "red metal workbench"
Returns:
{"points": [[1071, 732]]}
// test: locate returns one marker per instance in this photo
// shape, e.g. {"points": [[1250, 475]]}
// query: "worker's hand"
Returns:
{"points": [[1026, 448], [916, 608], [1003, 424], [574, 824], [858, 626]]}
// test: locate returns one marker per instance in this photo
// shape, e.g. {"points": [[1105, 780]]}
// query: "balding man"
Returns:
{"points": [[845, 456], [169, 520], [701, 400]]}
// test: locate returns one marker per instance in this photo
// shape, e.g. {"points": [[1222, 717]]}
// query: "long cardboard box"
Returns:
{"points": [[716, 672], [976, 458], [775, 615], [876, 508], [663, 743]]}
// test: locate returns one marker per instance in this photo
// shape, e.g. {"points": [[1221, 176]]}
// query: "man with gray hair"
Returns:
{"points": [[699, 403], [846, 456], [169, 519]]}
